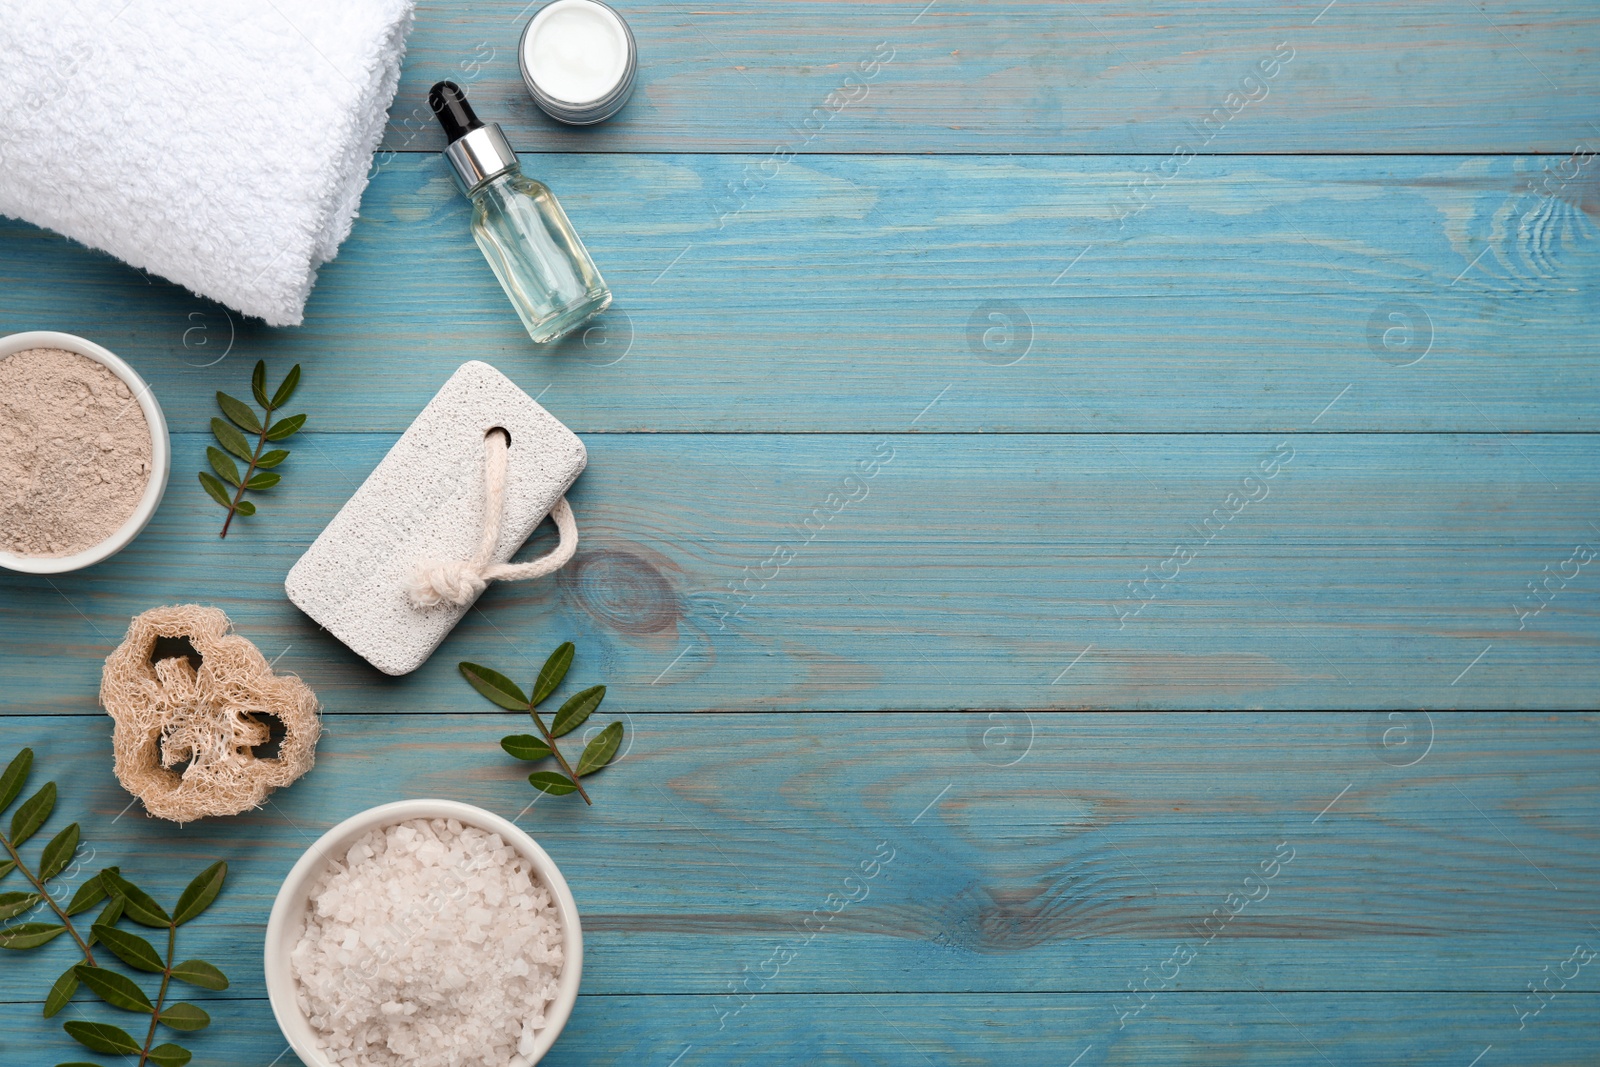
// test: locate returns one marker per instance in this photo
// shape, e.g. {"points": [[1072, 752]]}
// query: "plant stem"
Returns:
{"points": [[166, 977], [550, 740], [238, 494], [45, 893]]}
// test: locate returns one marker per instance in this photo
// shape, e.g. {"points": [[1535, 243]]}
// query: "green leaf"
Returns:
{"points": [[117, 990], [525, 746], [185, 1016], [496, 686], [16, 903], [108, 916], [61, 992], [272, 458], [200, 973], [58, 853], [29, 935], [102, 1037], [169, 1055], [258, 384], [239, 412], [130, 948], [7, 867], [231, 439], [199, 894], [285, 427], [576, 710], [263, 480], [286, 390], [137, 904], [246, 508], [16, 774], [223, 464], [550, 675], [26, 820], [90, 893], [557, 785], [214, 489], [601, 751]]}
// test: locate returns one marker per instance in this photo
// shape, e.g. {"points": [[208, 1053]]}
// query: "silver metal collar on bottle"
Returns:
{"points": [[480, 155]]}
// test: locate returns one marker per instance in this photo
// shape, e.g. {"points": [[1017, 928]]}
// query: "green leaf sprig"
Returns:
{"points": [[122, 992], [123, 900], [259, 462], [55, 859], [574, 713]]}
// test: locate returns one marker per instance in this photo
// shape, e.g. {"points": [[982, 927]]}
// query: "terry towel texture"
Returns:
{"points": [[222, 144]]}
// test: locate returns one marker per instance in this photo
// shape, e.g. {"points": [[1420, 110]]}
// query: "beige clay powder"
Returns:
{"points": [[74, 452]]}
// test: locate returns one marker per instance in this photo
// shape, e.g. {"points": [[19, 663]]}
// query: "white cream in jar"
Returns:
{"points": [[578, 58]]}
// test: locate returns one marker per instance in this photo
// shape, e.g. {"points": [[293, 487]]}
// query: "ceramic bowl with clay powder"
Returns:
{"points": [[160, 453]]}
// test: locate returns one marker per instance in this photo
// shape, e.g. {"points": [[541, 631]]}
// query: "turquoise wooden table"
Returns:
{"points": [[1067, 275]]}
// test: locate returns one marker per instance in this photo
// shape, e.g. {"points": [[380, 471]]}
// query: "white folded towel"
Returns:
{"points": [[223, 144]]}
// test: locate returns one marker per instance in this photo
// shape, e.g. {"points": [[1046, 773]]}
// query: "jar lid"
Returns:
{"points": [[578, 58]]}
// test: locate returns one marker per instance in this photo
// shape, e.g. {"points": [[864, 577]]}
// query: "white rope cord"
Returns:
{"points": [[459, 582]]}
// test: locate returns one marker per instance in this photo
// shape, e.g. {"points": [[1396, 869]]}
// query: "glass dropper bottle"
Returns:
{"points": [[520, 228]]}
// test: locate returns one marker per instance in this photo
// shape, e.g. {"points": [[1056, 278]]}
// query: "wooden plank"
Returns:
{"points": [[1362, 1029], [1006, 571], [1019, 76], [1057, 853], [855, 292], [1144, 330]]}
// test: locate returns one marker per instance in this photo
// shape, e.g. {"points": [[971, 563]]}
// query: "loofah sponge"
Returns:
{"points": [[169, 713]]}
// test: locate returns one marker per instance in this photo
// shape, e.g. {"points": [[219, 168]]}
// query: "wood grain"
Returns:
{"points": [[1015, 1030], [1060, 344], [965, 571], [1057, 853], [1007, 76], [855, 294]]}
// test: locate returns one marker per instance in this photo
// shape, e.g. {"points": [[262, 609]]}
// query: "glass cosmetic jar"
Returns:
{"points": [[578, 58]]}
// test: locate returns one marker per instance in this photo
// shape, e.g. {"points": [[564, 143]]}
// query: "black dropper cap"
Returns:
{"points": [[450, 107]]}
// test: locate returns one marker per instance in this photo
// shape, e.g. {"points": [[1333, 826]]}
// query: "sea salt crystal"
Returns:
{"points": [[428, 944]]}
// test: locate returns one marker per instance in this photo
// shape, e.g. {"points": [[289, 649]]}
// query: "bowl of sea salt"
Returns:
{"points": [[424, 933]]}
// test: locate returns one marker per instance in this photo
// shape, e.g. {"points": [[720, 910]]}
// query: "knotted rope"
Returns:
{"points": [[459, 582]]}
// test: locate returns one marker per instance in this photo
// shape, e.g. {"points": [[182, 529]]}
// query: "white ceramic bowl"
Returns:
{"points": [[284, 926], [160, 453]]}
